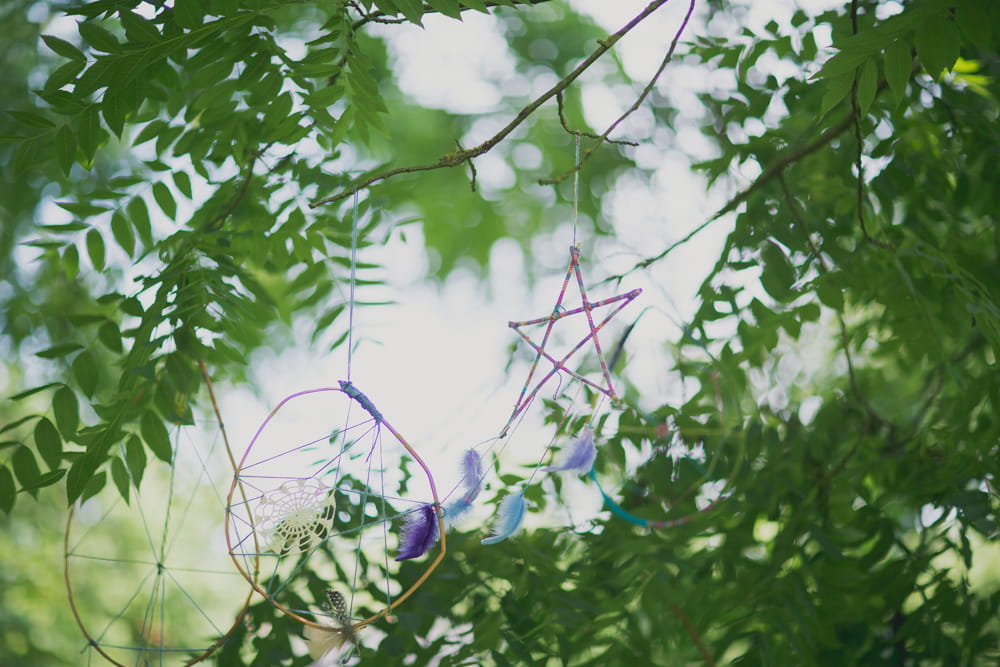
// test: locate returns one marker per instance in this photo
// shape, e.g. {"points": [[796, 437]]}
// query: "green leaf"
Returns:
{"points": [[447, 7], [150, 131], [156, 436], [8, 490], [122, 230], [109, 334], [67, 411], [478, 5], [62, 75], [95, 249], [54, 352], [83, 477], [89, 132], [183, 183], [974, 22], [115, 109], [898, 67], [938, 43], [164, 199], [135, 458], [45, 479], [65, 148], [92, 487], [777, 273], [64, 48], [34, 390], [830, 294], [138, 212], [65, 228], [98, 38], [188, 14], [71, 261], [867, 85], [413, 10], [33, 119], [132, 306], [138, 29], [86, 373], [841, 64], [25, 467], [24, 156], [119, 475], [48, 443], [836, 89], [82, 209], [17, 422]]}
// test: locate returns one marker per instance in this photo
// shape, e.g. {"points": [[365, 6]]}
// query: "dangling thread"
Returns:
{"points": [[350, 304], [576, 185]]}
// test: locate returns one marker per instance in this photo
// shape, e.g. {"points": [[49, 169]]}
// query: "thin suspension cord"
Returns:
{"points": [[354, 270], [576, 186]]}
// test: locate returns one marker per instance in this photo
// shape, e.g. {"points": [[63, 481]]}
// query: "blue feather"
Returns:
{"points": [[509, 518], [419, 533], [579, 456]]}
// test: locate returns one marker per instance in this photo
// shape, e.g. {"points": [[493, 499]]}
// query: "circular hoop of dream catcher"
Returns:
{"points": [[325, 490], [149, 580]]}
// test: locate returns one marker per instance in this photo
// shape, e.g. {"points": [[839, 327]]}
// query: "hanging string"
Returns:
{"points": [[354, 270], [576, 185]]}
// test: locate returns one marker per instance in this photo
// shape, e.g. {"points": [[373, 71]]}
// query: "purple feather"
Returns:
{"points": [[472, 484], [578, 456], [419, 533], [472, 475]]}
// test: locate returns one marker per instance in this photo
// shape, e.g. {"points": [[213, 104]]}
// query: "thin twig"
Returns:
{"points": [[456, 158], [472, 170], [765, 177], [216, 222], [632, 109], [590, 135], [870, 411], [693, 633]]}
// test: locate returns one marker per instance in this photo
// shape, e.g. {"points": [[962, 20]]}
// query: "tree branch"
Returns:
{"points": [[456, 158], [382, 17], [628, 112], [590, 135], [693, 633], [766, 177], [769, 174]]}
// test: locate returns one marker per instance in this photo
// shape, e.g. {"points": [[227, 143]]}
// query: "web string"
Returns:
{"points": [[161, 576]]}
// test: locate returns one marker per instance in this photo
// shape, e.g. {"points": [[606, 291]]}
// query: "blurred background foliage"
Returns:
{"points": [[840, 373]]}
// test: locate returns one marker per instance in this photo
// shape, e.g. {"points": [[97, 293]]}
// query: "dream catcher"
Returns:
{"points": [[332, 516], [328, 488], [149, 580]]}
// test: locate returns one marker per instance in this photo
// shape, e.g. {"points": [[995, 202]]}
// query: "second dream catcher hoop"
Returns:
{"points": [[146, 570]]}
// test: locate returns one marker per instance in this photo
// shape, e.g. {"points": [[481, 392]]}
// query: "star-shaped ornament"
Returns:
{"points": [[559, 312]]}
